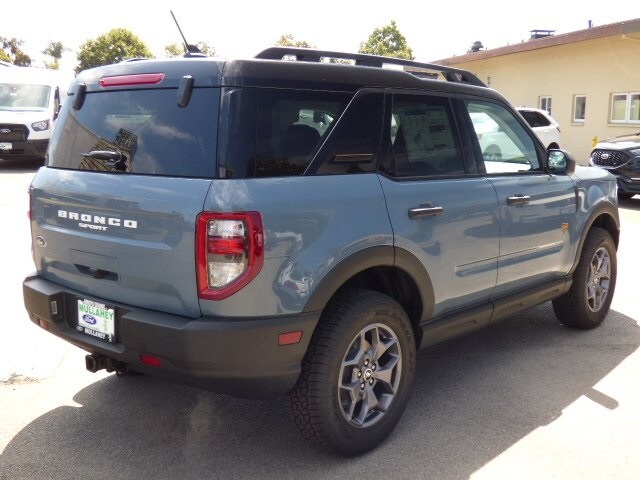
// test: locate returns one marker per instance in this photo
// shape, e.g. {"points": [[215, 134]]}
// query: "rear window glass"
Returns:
{"points": [[535, 119], [275, 132], [142, 131]]}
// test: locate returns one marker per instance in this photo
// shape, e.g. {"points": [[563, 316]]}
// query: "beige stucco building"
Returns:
{"points": [[589, 80]]}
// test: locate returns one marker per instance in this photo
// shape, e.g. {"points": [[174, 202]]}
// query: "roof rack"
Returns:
{"points": [[415, 68]]}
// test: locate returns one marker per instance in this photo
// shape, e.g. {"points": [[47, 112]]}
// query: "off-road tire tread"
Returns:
{"points": [[304, 397], [571, 308]]}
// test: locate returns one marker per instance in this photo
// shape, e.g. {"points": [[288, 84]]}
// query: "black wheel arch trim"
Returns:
{"points": [[602, 210], [379, 256]]}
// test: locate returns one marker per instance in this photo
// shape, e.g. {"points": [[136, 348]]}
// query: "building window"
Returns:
{"points": [[545, 104], [625, 107], [579, 108]]}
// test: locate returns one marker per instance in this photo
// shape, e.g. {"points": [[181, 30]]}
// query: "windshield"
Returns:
{"points": [[17, 96], [142, 131]]}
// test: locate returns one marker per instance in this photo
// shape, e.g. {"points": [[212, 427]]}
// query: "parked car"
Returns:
{"points": [[621, 157], [262, 227], [543, 124], [30, 101]]}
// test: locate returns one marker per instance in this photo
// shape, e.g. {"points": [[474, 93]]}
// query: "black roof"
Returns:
{"points": [[306, 71]]}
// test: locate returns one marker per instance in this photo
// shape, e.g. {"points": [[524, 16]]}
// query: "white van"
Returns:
{"points": [[30, 100]]}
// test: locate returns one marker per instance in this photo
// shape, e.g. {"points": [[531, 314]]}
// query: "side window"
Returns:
{"points": [[505, 144], [423, 138], [275, 132], [352, 145]]}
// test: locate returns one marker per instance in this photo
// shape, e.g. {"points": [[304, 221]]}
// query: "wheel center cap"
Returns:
{"points": [[368, 373]]}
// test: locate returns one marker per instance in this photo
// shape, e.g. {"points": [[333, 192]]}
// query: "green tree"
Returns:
{"points": [[205, 48], [289, 41], [112, 47], [12, 52], [174, 50], [387, 41], [54, 50], [177, 50]]}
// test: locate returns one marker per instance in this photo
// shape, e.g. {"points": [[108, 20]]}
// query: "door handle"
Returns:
{"points": [[518, 199], [425, 211]]}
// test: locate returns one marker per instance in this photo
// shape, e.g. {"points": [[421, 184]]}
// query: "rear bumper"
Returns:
{"points": [[28, 150], [240, 357]]}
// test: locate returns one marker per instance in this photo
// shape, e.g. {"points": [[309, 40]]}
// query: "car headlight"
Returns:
{"points": [[40, 126], [635, 152]]}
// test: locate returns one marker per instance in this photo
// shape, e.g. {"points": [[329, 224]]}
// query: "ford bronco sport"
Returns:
{"points": [[286, 224]]}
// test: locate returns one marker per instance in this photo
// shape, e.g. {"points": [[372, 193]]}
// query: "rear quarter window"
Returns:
{"points": [[275, 132], [154, 135]]}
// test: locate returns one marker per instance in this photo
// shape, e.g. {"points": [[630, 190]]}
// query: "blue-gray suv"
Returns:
{"points": [[289, 224]]}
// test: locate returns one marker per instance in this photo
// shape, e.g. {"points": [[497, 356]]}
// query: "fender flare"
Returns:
{"points": [[604, 209], [379, 256]]}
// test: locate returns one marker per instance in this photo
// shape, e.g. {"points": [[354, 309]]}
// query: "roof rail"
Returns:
{"points": [[416, 68]]}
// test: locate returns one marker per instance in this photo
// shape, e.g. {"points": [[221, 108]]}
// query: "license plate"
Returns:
{"points": [[97, 319], [6, 146]]}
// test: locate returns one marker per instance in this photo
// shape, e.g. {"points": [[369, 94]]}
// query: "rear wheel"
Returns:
{"points": [[357, 374], [587, 302]]}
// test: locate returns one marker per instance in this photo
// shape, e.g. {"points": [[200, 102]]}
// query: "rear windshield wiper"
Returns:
{"points": [[115, 159]]}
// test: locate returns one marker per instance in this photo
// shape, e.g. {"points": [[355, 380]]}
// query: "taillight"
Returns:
{"points": [[229, 252]]}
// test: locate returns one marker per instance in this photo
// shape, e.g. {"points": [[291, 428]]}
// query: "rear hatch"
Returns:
{"points": [[129, 166]]}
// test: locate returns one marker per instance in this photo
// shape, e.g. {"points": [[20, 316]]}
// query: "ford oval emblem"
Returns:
{"points": [[5, 130], [90, 319]]}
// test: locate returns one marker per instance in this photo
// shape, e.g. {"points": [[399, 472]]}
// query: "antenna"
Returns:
{"points": [[189, 48]]}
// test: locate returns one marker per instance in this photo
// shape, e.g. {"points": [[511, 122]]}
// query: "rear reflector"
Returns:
{"points": [[150, 360], [125, 80], [290, 338]]}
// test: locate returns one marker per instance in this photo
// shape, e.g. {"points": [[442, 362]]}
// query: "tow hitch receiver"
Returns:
{"points": [[95, 362]]}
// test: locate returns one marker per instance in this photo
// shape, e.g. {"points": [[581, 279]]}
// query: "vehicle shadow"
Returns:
{"points": [[19, 166], [474, 397], [632, 203]]}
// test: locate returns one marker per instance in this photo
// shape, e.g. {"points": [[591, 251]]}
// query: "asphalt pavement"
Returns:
{"points": [[525, 398]]}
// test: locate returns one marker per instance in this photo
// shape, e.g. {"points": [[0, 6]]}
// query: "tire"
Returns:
{"points": [[350, 396], [587, 302], [492, 153]]}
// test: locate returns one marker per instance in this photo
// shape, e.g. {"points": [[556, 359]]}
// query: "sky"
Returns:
{"points": [[434, 30]]}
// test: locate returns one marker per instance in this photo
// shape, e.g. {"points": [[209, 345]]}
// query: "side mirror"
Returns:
{"points": [[560, 161]]}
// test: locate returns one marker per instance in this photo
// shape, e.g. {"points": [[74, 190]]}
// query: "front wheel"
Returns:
{"points": [[587, 302], [357, 374]]}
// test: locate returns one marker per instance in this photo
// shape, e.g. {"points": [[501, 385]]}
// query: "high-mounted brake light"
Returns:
{"points": [[128, 80], [229, 252]]}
